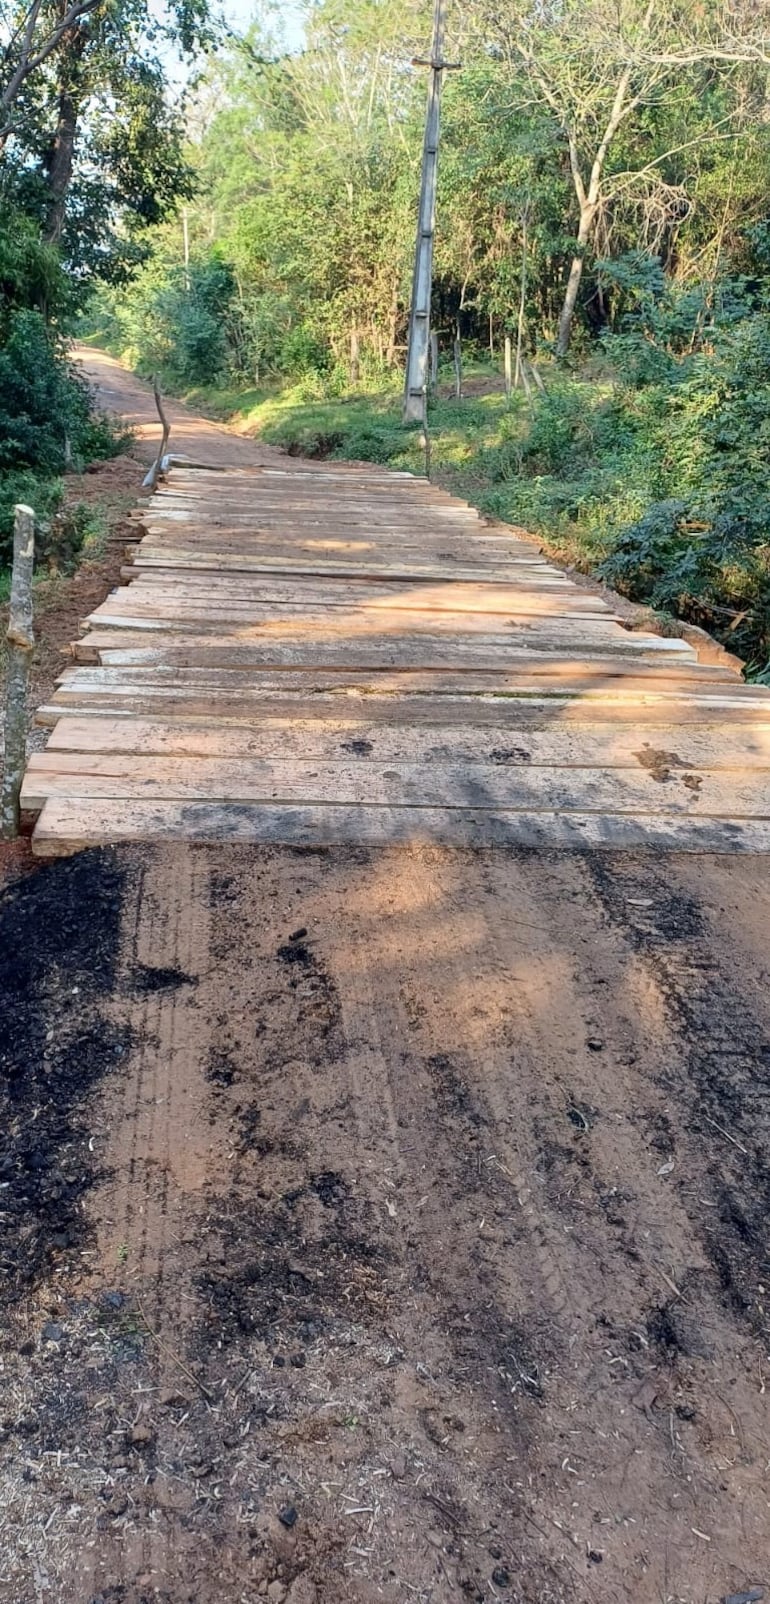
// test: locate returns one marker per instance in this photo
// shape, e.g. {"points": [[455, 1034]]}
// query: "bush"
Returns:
{"points": [[45, 409], [42, 495]]}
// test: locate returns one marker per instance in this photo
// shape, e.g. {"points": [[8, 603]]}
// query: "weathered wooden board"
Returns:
{"points": [[674, 749], [68, 826], [576, 677], [525, 787], [280, 562], [246, 648], [284, 698]]}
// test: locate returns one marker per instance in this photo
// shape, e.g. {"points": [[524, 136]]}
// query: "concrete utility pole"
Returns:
{"points": [[419, 315]]}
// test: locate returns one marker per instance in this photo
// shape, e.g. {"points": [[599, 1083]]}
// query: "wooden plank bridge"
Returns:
{"points": [[314, 654]]}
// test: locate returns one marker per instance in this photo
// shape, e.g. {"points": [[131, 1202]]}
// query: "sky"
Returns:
{"points": [[240, 12]]}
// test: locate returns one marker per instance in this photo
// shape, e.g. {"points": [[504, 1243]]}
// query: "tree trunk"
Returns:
{"points": [[458, 360], [390, 354], [522, 303], [60, 156], [573, 282]]}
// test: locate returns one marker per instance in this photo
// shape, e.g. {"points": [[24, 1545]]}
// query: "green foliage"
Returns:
{"points": [[43, 495], [30, 271], [704, 552], [46, 424], [45, 410]]}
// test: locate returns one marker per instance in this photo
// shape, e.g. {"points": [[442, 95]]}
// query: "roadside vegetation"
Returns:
{"points": [[91, 157]]}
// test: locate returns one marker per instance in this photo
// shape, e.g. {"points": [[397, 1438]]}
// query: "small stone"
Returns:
{"points": [[398, 1467], [52, 1331], [595, 1557], [141, 1436], [594, 1045], [27, 1347], [495, 1551], [288, 1517], [298, 1360], [501, 1577], [172, 1398], [113, 1300], [276, 1592], [278, 1361], [302, 1590], [297, 935], [118, 1505]]}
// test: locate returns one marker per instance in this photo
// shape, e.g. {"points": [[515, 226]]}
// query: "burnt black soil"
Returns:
{"points": [[59, 933]]}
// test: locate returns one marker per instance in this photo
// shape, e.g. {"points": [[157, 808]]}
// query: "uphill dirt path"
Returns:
{"points": [[383, 1224]]}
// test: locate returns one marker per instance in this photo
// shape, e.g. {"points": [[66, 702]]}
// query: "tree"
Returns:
{"points": [[30, 37], [595, 64], [95, 147]]}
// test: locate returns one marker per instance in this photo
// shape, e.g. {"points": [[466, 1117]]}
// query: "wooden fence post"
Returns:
{"points": [[21, 642], [150, 479]]}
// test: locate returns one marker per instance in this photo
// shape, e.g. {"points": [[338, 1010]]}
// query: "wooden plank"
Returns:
{"points": [[247, 647], [564, 635], [66, 826], [147, 569], [525, 787], [245, 562], [194, 585], [322, 596], [522, 674], [195, 618], [714, 746], [415, 706]]}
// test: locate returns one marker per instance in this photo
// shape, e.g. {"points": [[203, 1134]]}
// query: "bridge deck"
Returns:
{"points": [[330, 654]]}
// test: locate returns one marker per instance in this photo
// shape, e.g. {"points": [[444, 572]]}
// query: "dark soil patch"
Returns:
{"points": [[287, 1273], [452, 1093], [145, 979], [58, 944]]}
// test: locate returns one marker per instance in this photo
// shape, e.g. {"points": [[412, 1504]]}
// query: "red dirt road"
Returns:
{"points": [[384, 1225]]}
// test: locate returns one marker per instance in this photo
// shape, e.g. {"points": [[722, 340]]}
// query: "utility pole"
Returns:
{"points": [[419, 313]]}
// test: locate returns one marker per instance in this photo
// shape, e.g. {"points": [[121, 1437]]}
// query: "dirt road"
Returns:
{"points": [[384, 1225]]}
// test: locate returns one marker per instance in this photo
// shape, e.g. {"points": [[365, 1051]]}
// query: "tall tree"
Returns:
{"points": [[93, 126], [595, 64]]}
